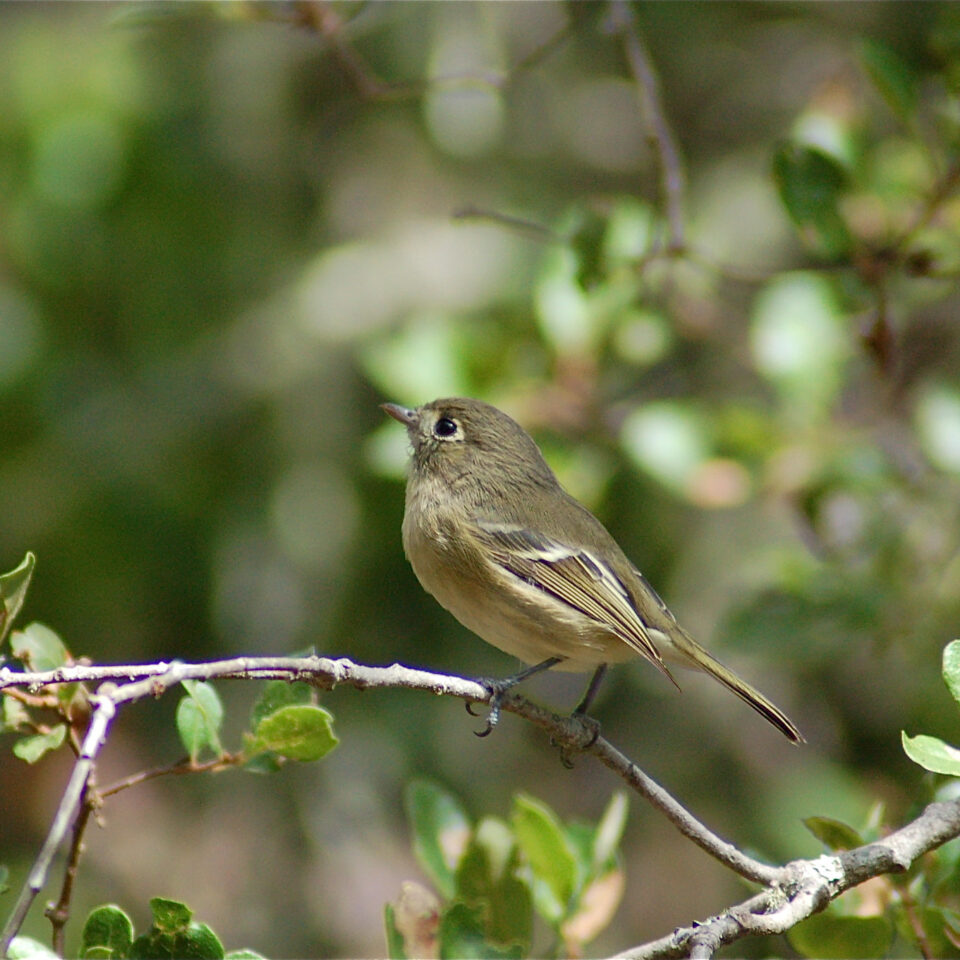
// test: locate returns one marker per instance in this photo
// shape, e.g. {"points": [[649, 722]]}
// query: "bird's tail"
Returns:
{"points": [[691, 654]]}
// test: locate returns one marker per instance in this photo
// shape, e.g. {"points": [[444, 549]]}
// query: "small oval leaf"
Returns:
{"points": [[108, 932], [297, 732]]}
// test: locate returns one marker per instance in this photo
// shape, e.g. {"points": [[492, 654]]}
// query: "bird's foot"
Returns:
{"points": [[581, 733], [498, 690]]}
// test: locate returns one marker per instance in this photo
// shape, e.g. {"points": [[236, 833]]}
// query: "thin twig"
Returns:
{"points": [[59, 913]]}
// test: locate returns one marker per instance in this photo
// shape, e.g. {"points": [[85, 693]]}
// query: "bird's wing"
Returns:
{"points": [[574, 576]]}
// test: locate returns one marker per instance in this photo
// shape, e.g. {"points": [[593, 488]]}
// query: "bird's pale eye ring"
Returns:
{"points": [[445, 428]]}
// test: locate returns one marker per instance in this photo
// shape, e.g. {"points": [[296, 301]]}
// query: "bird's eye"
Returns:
{"points": [[445, 427]]}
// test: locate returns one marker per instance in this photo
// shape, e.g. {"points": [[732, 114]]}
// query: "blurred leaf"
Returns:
{"points": [[277, 694], [668, 439], [15, 714], [244, 954], [298, 732], [833, 834], [610, 830], [483, 880], [413, 922], [4, 878], [932, 754], [894, 80], [462, 935], [546, 849], [830, 936], [39, 648], [810, 184], [940, 928], [595, 909], [33, 748], [108, 932], [951, 668], [441, 831], [199, 718], [13, 591], [25, 948]]}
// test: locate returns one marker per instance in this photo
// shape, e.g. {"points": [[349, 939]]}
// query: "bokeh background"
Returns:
{"points": [[228, 231]]}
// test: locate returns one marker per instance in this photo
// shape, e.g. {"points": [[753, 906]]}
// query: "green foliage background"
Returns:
{"points": [[217, 257]]}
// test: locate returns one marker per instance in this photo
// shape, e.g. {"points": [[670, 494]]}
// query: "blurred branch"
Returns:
{"points": [[793, 892], [621, 22]]}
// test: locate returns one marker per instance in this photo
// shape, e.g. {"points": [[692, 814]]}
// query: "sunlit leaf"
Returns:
{"points": [[25, 948], [932, 754]]}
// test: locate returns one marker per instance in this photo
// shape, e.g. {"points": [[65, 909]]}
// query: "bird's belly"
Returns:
{"points": [[520, 619]]}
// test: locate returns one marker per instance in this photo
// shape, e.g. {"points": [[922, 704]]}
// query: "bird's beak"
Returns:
{"points": [[406, 416]]}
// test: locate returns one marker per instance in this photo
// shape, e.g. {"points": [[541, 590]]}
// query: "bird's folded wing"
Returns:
{"points": [[572, 575]]}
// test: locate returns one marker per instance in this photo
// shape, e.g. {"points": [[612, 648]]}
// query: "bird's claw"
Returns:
{"points": [[497, 692]]}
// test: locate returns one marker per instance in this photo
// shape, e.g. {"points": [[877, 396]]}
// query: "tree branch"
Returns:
{"points": [[792, 892]]}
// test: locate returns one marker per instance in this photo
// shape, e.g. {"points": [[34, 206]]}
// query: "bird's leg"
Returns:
{"points": [[500, 688], [591, 728], [591, 691]]}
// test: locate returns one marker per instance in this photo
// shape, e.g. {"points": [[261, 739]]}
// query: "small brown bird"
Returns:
{"points": [[492, 535]]}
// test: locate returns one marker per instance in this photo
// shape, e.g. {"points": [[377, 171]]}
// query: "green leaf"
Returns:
{"points": [[199, 718], [15, 714], [932, 754], [4, 878], [297, 732], [609, 831], [951, 668], [244, 954], [108, 932], [395, 948], [810, 184], [173, 935], [39, 648], [833, 834], [830, 936], [441, 831], [486, 876], [13, 591], [462, 935], [33, 748], [277, 694], [889, 73], [170, 916], [545, 848]]}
